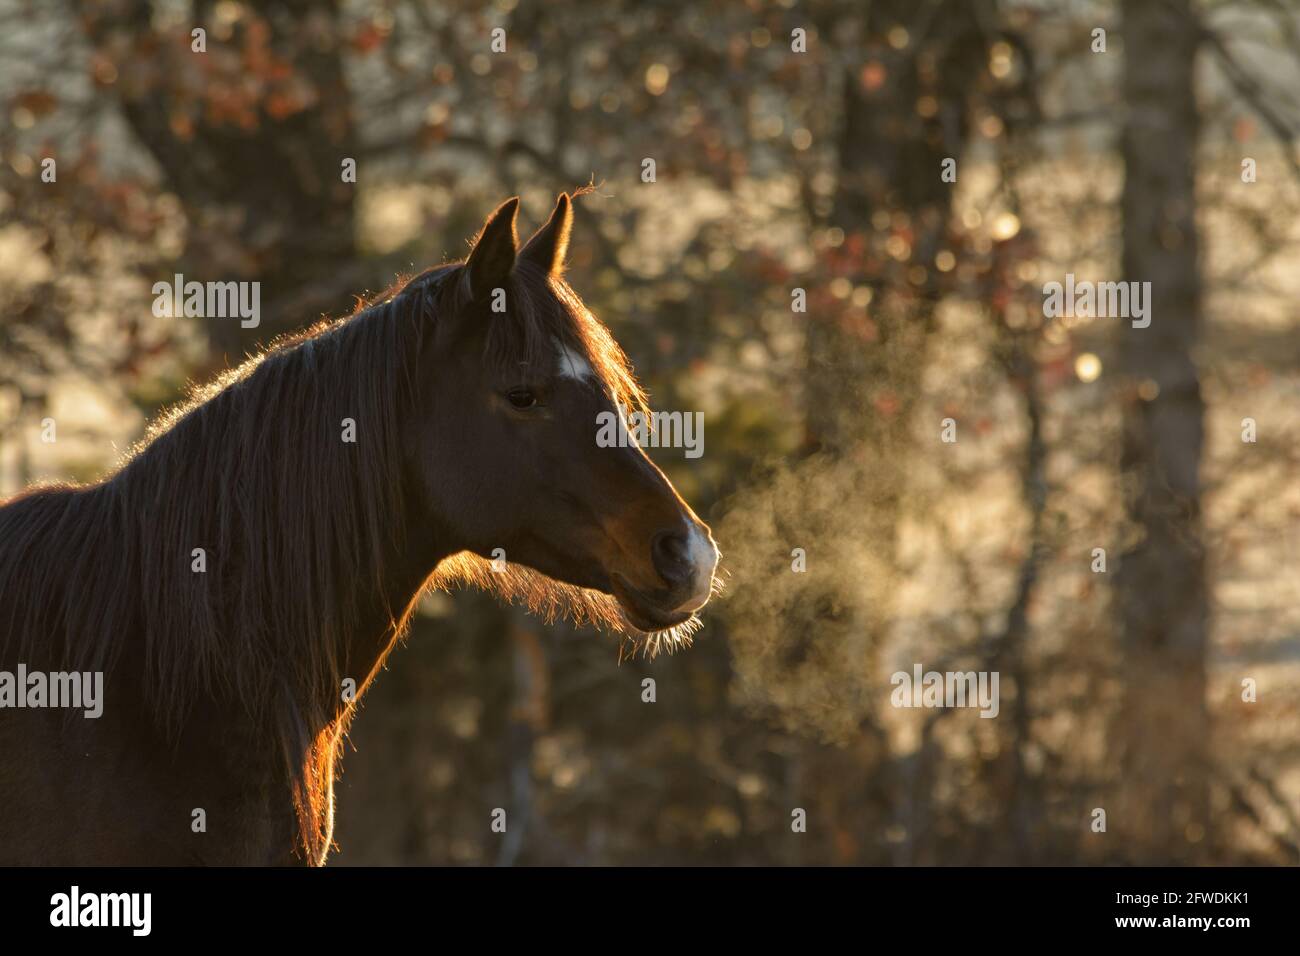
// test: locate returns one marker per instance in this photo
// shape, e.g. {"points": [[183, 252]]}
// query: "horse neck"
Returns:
{"points": [[330, 542], [387, 604]]}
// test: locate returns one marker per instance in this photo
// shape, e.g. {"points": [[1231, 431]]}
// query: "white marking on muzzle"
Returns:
{"points": [[703, 557]]}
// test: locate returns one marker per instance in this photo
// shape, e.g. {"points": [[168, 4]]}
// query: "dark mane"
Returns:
{"points": [[296, 525]]}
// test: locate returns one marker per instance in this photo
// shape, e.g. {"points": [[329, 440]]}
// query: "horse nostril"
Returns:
{"points": [[670, 552]]}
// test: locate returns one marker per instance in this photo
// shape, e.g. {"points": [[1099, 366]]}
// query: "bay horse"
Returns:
{"points": [[260, 553]]}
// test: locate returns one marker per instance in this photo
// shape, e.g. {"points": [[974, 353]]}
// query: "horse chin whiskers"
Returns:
{"points": [[649, 643], [671, 639], [542, 595], [554, 600]]}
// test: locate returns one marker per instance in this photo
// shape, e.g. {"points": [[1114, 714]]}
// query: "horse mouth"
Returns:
{"points": [[642, 612]]}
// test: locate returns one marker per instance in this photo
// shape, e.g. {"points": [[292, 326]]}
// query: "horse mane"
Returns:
{"points": [[296, 538]]}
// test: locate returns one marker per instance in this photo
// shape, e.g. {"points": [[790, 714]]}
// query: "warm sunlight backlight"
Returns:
{"points": [[1088, 367], [656, 79], [1005, 226]]}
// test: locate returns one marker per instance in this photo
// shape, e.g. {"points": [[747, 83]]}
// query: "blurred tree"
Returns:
{"points": [[251, 133], [1161, 590]]}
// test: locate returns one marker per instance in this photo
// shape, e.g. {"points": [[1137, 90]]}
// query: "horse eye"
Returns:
{"points": [[521, 398]]}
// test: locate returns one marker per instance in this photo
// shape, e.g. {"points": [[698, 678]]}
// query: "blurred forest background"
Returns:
{"points": [[777, 170]]}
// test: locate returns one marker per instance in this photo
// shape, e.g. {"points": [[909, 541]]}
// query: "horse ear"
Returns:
{"points": [[493, 255], [549, 244]]}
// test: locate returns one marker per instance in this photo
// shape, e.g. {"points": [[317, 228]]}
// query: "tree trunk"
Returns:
{"points": [[261, 178], [1161, 589]]}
